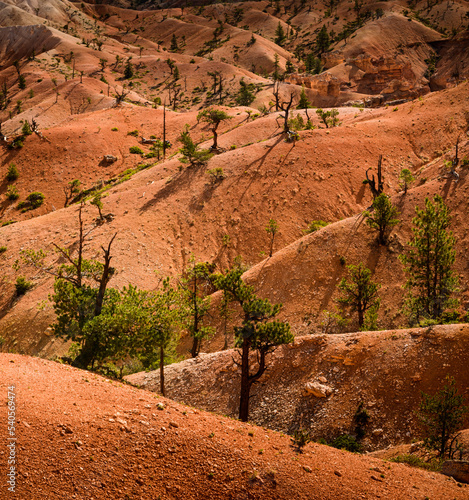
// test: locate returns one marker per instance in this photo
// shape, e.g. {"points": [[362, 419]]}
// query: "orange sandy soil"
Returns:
{"points": [[82, 436]]}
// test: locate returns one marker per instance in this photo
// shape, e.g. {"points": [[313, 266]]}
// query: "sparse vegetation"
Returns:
{"points": [[22, 285], [33, 201], [12, 173]]}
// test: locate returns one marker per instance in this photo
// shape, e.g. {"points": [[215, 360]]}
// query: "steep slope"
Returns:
{"points": [[82, 436], [165, 214], [318, 382]]}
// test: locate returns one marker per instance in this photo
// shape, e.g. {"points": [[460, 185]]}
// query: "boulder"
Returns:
{"points": [[459, 469], [318, 390], [109, 158]]}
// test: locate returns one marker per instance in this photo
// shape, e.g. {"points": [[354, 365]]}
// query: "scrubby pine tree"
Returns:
{"points": [[360, 293], [382, 217], [442, 415], [428, 264], [259, 332]]}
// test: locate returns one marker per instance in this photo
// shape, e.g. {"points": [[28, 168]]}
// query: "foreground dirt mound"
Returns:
{"points": [[319, 381], [81, 436]]}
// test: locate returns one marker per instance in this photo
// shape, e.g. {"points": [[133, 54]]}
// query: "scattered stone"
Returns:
{"points": [[337, 473], [377, 432], [173, 424]]}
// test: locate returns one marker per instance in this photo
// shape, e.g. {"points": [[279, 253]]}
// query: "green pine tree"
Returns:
{"points": [[360, 293], [259, 332], [323, 40], [191, 153], [428, 264], [304, 101], [382, 217], [442, 415], [194, 287], [245, 96], [280, 35]]}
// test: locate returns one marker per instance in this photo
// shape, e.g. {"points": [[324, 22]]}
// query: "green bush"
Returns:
{"points": [[12, 173], [133, 132], [315, 225], [26, 130], [12, 193], [3, 249], [22, 285], [33, 201], [216, 174], [136, 150], [115, 129], [346, 442], [415, 461]]}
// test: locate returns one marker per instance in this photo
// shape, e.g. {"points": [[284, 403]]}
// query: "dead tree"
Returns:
{"points": [[35, 128], [120, 96], [455, 163], [376, 189], [284, 106]]}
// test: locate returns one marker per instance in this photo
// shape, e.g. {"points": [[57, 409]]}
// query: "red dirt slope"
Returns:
{"points": [[80, 436]]}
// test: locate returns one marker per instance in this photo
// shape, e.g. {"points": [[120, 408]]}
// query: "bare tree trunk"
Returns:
{"points": [[162, 371]]}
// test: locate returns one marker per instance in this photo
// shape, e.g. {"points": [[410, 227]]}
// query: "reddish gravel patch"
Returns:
{"points": [[84, 437]]}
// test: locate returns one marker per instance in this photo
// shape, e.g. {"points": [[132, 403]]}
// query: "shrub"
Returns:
{"points": [[33, 201], [3, 249], [26, 130], [12, 173], [346, 442], [315, 225], [133, 132], [136, 150], [415, 461], [329, 118], [22, 285], [216, 174], [12, 193], [300, 438], [115, 129]]}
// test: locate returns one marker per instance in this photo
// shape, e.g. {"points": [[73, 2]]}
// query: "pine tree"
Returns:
{"points": [[245, 96], [304, 102], [323, 40], [129, 69], [405, 178], [174, 44], [428, 264], [190, 151], [360, 293], [383, 217], [280, 35], [259, 332], [213, 117], [442, 414], [272, 229], [289, 68], [194, 287]]}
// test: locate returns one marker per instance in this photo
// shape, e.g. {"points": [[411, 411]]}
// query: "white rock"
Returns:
{"points": [[318, 390]]}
